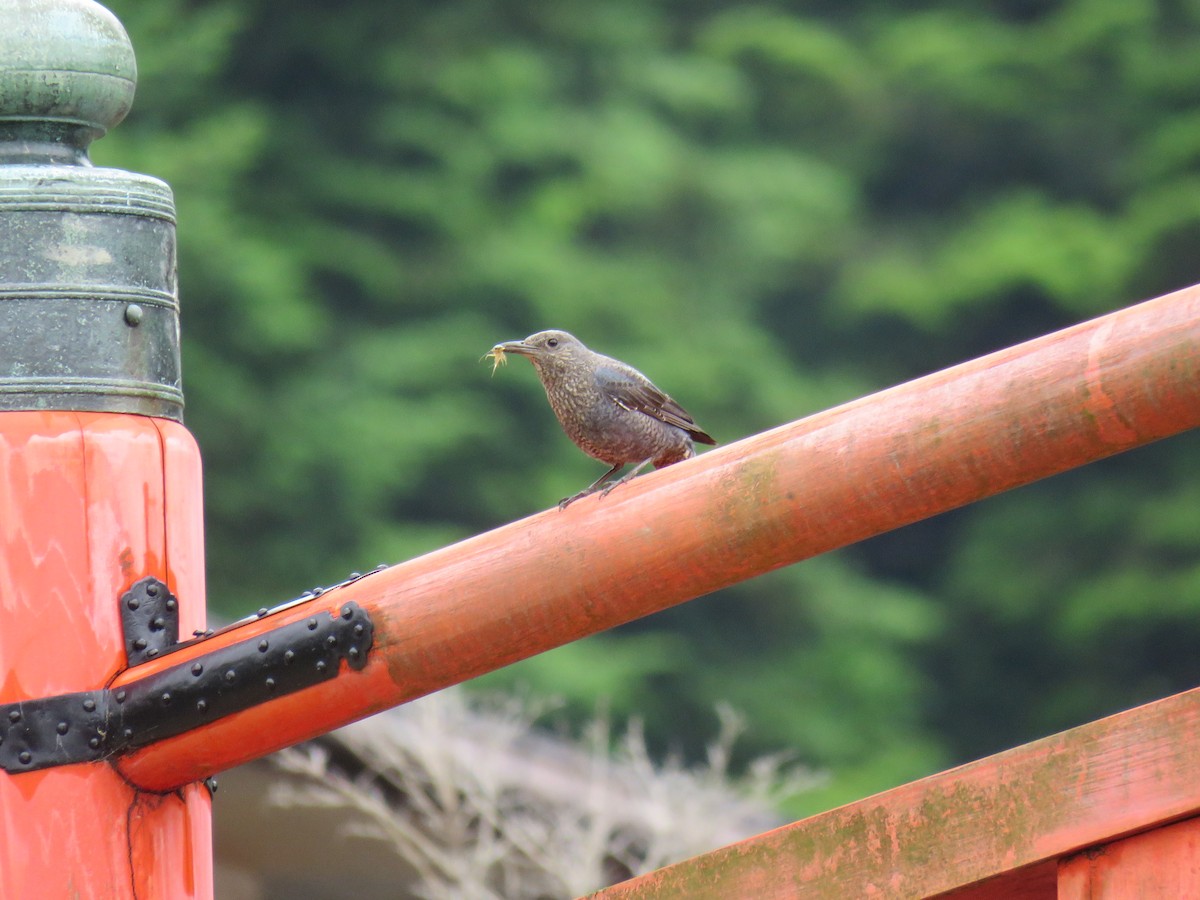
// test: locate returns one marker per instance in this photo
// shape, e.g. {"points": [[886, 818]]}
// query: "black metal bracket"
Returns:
{"points": [[53, 731], [93, 725], [281, 661], [149, 619]]}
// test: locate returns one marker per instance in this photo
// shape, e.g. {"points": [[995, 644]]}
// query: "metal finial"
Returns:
{"points": [[89, 310], [67, 75]]}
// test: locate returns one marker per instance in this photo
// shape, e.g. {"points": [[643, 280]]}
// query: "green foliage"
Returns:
{"points": [[771, 209]]}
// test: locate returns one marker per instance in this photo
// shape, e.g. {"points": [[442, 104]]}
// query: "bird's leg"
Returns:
{"points": [[591, 488], [627, 476]]}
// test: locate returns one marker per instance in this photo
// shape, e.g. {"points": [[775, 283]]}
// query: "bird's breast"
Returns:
{"points": [[611, 433]]}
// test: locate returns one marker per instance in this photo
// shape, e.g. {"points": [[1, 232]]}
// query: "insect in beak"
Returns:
{"points": [[496, 355]]}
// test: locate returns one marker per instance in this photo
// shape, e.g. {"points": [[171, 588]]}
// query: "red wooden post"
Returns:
{"points": [[99, 486], [83, 514], [1163, 863]]}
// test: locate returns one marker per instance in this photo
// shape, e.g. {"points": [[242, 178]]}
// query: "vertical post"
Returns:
{"points": [[1164, 862], [99, 481]]}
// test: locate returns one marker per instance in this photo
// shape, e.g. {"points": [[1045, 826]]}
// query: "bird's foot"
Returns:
{"points": [[602, 484], [612, 484], [567, 501], [629, 476]]}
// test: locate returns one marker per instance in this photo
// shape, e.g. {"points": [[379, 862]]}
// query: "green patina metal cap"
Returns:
{"points": [[67, 71], [89, 312]]}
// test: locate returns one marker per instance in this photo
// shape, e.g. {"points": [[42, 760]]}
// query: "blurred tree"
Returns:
{"points": [[772, 208]]}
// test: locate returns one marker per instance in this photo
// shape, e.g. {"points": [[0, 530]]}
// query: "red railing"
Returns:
{"points": [[96, 501], [918, 449]]}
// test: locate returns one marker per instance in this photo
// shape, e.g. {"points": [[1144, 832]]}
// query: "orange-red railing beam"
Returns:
{"points": [[840, 476]]}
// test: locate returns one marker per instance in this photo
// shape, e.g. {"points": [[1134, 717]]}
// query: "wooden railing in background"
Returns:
{"points": [[1063, 818]]}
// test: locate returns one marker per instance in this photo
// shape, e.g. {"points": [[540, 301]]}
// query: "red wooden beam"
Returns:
{"points": [[840, 476], [1007, 818]]}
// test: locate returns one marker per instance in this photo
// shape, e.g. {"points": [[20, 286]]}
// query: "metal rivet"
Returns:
{"points": [[270, 683], [318, 591], [89, 705], [321, 665], [289, 655], [359, 629], [120, 696], [356, 574], [312, 624], [139, 644], [262, 612], [94, 743], [197, 668], [166, 698], [127, 733], [133, 603], [152, 589], [62, 727], [14, 716], [230, 675], [201, 705], [347, 612], [352, 653], [171, 605], [25, 757], [158, 623], [331, 640], [133, 315], [264, 645], [152, 652]]}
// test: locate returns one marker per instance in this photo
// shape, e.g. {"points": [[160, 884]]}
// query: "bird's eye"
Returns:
{"points": [[552, 343]]}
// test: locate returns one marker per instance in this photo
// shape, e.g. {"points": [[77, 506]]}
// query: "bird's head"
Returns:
{"points": [[550, 352]]}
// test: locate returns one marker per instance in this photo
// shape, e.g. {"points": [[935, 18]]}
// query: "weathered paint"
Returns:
{"points": [[90, 503], [1163, 863], [776, 498], [1036, 882], [1007, 818]]}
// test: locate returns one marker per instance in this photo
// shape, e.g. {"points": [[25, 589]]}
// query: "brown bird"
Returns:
{"points": [[612, 411]]}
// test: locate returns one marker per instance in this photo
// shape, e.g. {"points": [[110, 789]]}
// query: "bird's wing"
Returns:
{"points": [[633, 391]]}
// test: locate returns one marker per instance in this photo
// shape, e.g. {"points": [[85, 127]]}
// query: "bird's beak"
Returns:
{"points": [[518, 347]]}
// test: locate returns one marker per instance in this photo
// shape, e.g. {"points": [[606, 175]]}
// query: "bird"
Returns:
{"points": [[609, 409]]}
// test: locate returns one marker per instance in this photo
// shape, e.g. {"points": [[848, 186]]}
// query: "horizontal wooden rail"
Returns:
{"points": [[840, 476], [1009, 817]]}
